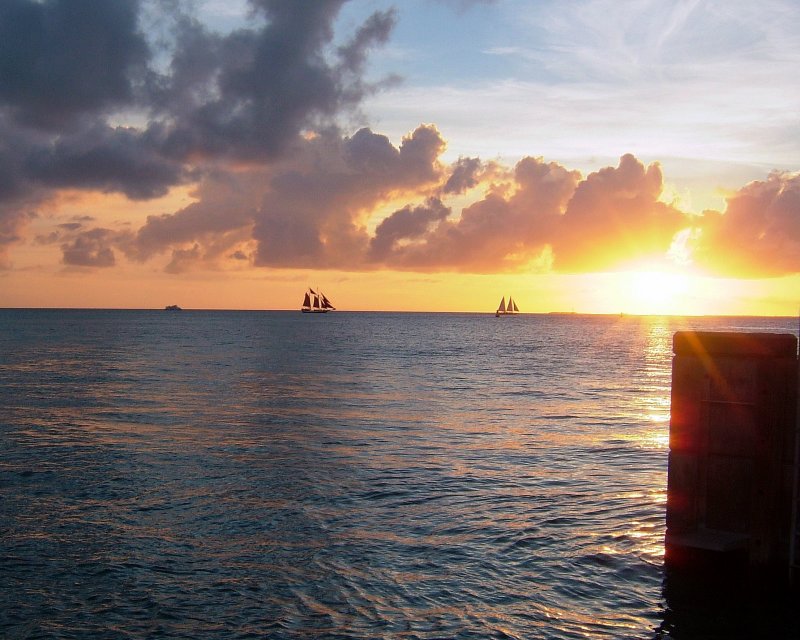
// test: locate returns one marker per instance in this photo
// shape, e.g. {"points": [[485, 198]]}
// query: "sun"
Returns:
{"points": [[647, 290], [655, 292]]}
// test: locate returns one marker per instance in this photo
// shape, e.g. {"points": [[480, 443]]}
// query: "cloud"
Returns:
{"points": [[375, 30], [89, 101], [89, 249], [60, 59], [464, 5], [541, 216], [249, 93], [758, 235], [226, 204], [464, 175], [615, 217], [12, 219], [183, 259], [315, 208], [18, 199], [408, 223], [312, 213], [108, 159], [507, 229], [251, 118]]}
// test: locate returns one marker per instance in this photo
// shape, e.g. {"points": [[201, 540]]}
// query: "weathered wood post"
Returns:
{"points": [[732, 447]]}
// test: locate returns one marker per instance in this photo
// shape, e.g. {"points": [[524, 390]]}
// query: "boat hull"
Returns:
{"points": [[314, 310]]}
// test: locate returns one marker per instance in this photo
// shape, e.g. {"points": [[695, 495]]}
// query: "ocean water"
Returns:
{"points": [[205, 474]]}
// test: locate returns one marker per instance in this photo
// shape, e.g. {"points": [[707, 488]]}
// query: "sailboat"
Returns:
{"points": [[506, 309], [316, 302]]}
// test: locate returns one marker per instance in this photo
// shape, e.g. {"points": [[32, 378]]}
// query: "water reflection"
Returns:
{"points": [[372, 475]]}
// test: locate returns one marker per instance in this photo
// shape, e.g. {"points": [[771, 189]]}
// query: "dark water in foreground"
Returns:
{"points": [[355, 475]]}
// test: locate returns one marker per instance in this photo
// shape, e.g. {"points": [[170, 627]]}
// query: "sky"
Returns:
{"points": [[596, 156]]}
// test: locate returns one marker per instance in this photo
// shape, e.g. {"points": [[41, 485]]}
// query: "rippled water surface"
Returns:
{"points": [[353, 475]]}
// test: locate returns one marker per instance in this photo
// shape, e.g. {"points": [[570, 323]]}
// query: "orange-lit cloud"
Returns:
{"points": [[509, 226], [615, 216], [758, 235], [312, 209]]}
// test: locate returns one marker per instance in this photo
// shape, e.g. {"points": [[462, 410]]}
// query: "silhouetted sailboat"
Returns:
{"points": [[316, 302], [506, 309]]}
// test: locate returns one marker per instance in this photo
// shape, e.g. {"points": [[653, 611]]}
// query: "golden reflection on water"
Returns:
{"points": [[652, 409], [656, 439], [653, 405]]}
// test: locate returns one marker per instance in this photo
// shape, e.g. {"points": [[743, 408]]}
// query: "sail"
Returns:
{"points": [[504, 309], [326, 304], [316, 302]]}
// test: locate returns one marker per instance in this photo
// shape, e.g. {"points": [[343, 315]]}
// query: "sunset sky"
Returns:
{"points": [[597, 156]]}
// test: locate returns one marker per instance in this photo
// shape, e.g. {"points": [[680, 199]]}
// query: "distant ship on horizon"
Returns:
{"points": [[316, 302], [504, 309]]}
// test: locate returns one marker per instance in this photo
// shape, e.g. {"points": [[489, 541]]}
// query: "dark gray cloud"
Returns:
{"points": [[104, 158], [62, 59], [353, 55], [14, 144], [19, 198], [250, 93]]}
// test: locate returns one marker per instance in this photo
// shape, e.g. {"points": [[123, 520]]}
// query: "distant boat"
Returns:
{"points": [[506, 309], [316, 302], [172, 307]]}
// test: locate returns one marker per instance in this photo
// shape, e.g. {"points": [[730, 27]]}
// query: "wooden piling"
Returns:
{"points": [[732, 447]]}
